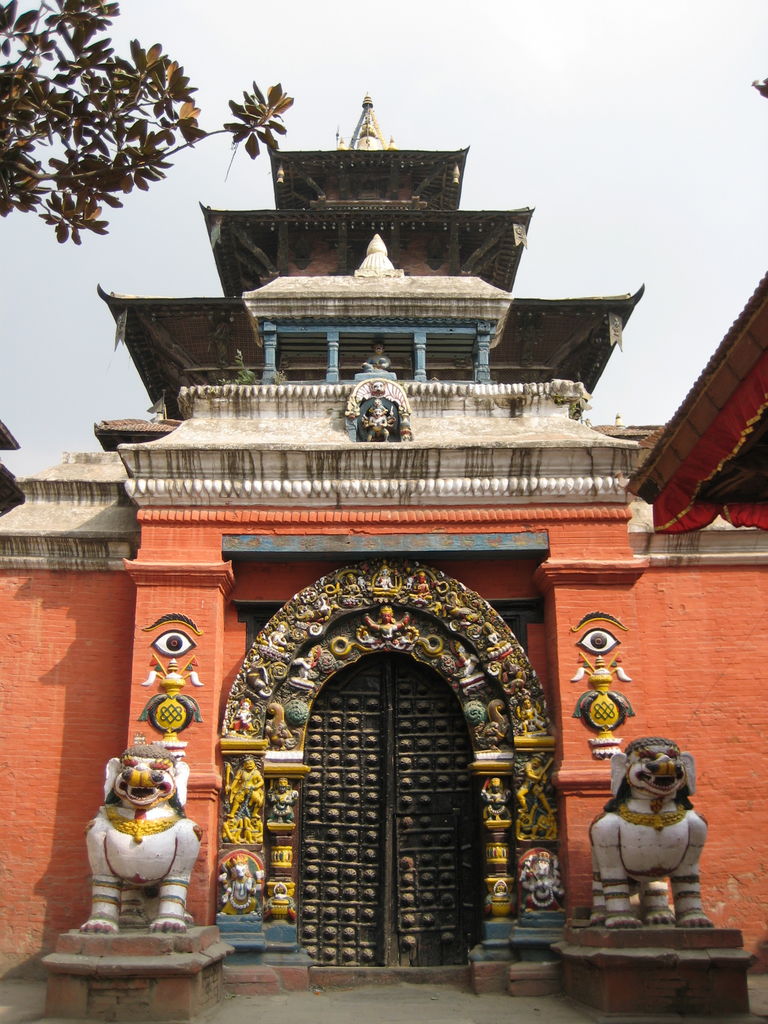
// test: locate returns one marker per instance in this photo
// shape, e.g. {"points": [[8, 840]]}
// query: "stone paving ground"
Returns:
{"points": [[23, 1001]]}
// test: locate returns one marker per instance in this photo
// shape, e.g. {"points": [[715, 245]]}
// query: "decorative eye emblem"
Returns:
{"points": [[173, 643], [598, 641]]}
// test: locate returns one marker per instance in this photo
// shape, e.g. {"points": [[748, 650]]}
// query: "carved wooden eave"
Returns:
{"points": [[252, 247], [11, 494], [571, 339], [429, 179], [175, 343], [711, 458], [473, 444], [76, 516]]}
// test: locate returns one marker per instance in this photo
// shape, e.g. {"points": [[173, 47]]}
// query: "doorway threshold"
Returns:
{"points": [[459, 976]]}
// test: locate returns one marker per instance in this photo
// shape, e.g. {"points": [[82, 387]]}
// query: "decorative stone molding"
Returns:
{"points": [[76, 516]]}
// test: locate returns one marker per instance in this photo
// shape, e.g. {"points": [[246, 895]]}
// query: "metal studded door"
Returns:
{"points": [[389, 868]]}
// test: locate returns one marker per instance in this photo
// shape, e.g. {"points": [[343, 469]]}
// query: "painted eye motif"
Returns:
{"points": [[173, 643], [598, 641]]}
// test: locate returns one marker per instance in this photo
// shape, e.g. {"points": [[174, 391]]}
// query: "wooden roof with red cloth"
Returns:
{"points": [[712, 458]]}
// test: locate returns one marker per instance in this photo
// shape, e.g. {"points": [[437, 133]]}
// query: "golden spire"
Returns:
{"points": [[367, 134]]}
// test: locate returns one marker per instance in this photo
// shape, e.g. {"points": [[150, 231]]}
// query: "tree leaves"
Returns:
{"points": [[80, 125]]}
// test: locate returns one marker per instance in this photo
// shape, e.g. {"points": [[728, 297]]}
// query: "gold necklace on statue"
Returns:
{"points": [[139, 828], [658, 821]]}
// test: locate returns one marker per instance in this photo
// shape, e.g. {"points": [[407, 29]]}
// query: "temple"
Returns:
{"points": [[374, 577]]}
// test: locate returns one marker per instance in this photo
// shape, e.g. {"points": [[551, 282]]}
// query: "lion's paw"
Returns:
{"points": [[622, 921], [656, 917], [694, 919], [168, 924], [99, 925]]}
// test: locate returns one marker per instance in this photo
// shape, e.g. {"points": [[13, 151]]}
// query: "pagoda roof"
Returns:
{"points": [[11, 494], [301, 179], [569, 339], [248, 245], [177, 342], [187, 341], [711, 459]]}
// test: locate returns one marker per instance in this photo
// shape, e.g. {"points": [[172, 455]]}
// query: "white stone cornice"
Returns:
{"points": [[76, 516], [473, 443]]}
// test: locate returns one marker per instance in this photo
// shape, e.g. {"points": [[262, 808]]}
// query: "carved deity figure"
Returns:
{"points": [[540, 884], [469, 675], [495, 796], [378, 421], [530, 717], [649, 832], [244, 721], [240, 885], [282, 798], [141, 846], [377, 360], [536, 814], [245, 794], [391, 630]]}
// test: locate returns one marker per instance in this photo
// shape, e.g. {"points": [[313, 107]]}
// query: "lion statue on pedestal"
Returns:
{"points": [[141, 846], [649, 832]]}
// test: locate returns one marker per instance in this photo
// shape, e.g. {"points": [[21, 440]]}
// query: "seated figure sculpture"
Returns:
{"points": [[141, 846], [648, 833]]}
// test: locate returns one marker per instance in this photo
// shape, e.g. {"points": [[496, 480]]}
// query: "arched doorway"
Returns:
{"points": [[389, 860], [396, 661]]}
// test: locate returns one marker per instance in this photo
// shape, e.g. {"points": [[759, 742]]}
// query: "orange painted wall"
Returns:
{"points": [[64, 679]]}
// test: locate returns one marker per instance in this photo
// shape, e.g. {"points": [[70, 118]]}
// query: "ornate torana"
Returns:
{"points": [[387, 606]]}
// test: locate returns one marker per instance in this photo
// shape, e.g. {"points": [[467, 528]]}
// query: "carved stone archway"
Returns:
{"points": [[396, 607]]}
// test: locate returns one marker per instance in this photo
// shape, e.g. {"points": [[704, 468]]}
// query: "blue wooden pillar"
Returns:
{"points": [[269, 334], [332, 364], [482, 350], [420, 354]]}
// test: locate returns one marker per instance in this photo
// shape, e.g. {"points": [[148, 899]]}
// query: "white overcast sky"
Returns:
{"points": [[631, 127]]}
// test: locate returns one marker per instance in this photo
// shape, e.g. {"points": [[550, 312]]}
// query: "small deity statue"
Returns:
{"points": [[378, 421], [282, 797], [496, 799], [393, 632], [377, 360], [421, 592], [240, 888], [303, 676], [469, 675], [245, 793], [276, 642], [244, 721], [530, 717], [540, 884]]}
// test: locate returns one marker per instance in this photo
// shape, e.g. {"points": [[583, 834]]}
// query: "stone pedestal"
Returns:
{"points": [[689, 971], [135, 975]]}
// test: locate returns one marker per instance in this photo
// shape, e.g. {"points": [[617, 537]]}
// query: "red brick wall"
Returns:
{"points": [[70, 687], [64, 681]]}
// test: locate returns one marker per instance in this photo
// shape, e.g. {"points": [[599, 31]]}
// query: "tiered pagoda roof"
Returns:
{"points": [[329, 206]]}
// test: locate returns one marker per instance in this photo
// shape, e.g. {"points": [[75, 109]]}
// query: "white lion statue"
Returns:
{"points": [[141, 846], [649, 832]]}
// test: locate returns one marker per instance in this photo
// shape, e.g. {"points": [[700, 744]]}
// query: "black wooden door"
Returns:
{"points": [[389, 871]]}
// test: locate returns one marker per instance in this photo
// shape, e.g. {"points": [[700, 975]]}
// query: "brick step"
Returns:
{"points": [[263, 980]]}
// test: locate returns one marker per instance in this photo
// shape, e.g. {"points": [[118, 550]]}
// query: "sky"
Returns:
{"points": [[631, 128]]}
